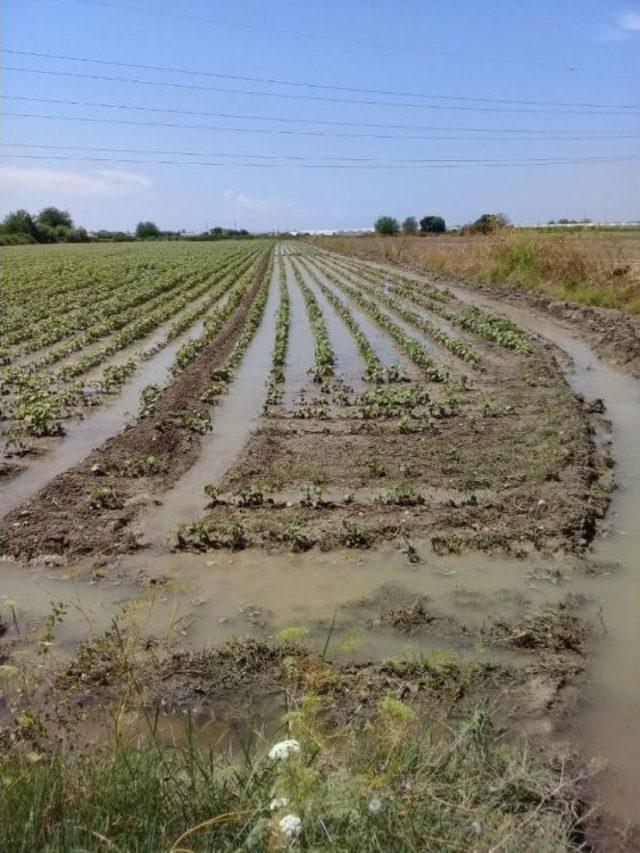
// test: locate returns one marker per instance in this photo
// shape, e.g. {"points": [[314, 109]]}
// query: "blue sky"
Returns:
{"points": [[573, 52]]}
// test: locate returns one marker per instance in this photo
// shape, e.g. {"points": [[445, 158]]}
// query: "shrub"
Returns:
{"points": [[410, 225], [386, 225], [433, 225]]}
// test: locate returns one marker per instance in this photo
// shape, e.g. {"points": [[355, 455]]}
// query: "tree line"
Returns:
{"points": [[488, 223], [52, 225]]}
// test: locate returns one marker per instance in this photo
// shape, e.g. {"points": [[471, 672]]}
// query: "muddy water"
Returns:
{"points": [[609, 724], [300, 352], [83, 436], [207, 599], [384, 346], [233, 419], [349, 364], [439, 353]]}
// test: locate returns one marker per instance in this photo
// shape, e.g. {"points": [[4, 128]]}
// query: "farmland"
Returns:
{"points": [[251, 479]]}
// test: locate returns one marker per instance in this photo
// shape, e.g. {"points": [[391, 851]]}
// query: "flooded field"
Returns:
{"points": [[363, 484]]}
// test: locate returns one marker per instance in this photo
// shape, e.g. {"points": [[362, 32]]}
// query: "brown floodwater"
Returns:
{"points": [[234, 418], [83, 436], [203, 600]]}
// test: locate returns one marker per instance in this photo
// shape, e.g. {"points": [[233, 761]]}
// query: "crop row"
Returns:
{"points": [[374, 370], [416, 352], [177, 289], [325, 359], [278, 361], [484, 324], [39, 406], [458, 347], [43, 290]]}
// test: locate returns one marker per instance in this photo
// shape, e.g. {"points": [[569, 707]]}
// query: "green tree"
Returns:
{"points": [[488, 223], [19, 222], [147, 230], [433, 225], [55, 218], [410, 225], [386, 225]]}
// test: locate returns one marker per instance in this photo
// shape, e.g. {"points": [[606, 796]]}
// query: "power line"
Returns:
{"points": [[279, 119], [342, 39], [310, 85], [244, 130], [434, 165], [301, 157], [297, 97]]}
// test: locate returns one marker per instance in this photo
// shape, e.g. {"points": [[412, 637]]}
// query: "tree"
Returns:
{"points": [[410, 225], [488, 223], [386, 225], [147, 230], [433, 225], [19, 222], [55, 218]]}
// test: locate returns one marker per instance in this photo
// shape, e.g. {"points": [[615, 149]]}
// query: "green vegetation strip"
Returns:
{"points": [[374, 371], [325, 359], [395, 783], [485, 324], [276, 378], [416, 352], [458, 347]]}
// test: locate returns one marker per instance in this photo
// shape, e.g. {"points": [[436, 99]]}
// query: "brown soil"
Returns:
{"points": [[515, 469], [60, 520], [231, 683]]}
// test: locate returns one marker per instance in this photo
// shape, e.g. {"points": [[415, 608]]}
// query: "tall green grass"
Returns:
{"points": [[393, 784]]}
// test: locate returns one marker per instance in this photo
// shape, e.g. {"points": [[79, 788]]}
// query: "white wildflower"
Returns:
{"points": [[290, 826], [375, 805], [284, 749], [278, 803], [476, 826]]}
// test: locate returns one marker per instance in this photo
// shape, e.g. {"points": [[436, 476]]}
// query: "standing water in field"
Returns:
{"points": [[300, 355], [349, 365], [81, 437], [234, 419]]}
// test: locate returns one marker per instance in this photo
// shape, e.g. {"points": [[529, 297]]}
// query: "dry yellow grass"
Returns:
{"points": [[596, 268]]}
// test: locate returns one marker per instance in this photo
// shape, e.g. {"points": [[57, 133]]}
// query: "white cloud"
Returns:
{"points": [[54, 182], [629, 21], [622, 28]]}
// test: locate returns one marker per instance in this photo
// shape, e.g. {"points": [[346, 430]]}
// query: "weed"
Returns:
{"points": [[198, 422], [297, 537], [104, 497], [355, 536]]}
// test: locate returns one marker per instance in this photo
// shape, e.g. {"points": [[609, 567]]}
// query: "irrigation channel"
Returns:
{"points": [[205, 599]]}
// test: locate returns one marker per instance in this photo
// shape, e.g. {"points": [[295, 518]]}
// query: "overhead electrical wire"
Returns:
{"points": [[592, 133], [432, 165], [225, 129], [316, 98], [301, 157], [310, 85]]}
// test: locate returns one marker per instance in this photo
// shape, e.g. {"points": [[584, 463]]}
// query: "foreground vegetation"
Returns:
{"points": [[392, 786], [587, 268]]}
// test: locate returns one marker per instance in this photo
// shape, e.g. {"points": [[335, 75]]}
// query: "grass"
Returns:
{"points": [[395, 783], [591, 269]]}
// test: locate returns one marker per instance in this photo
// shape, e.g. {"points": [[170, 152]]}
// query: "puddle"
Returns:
{"points": [[208, 599], [83, 436], [349, 364], [300, 351], [609, 723], [384, 346], [233, 419]]}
